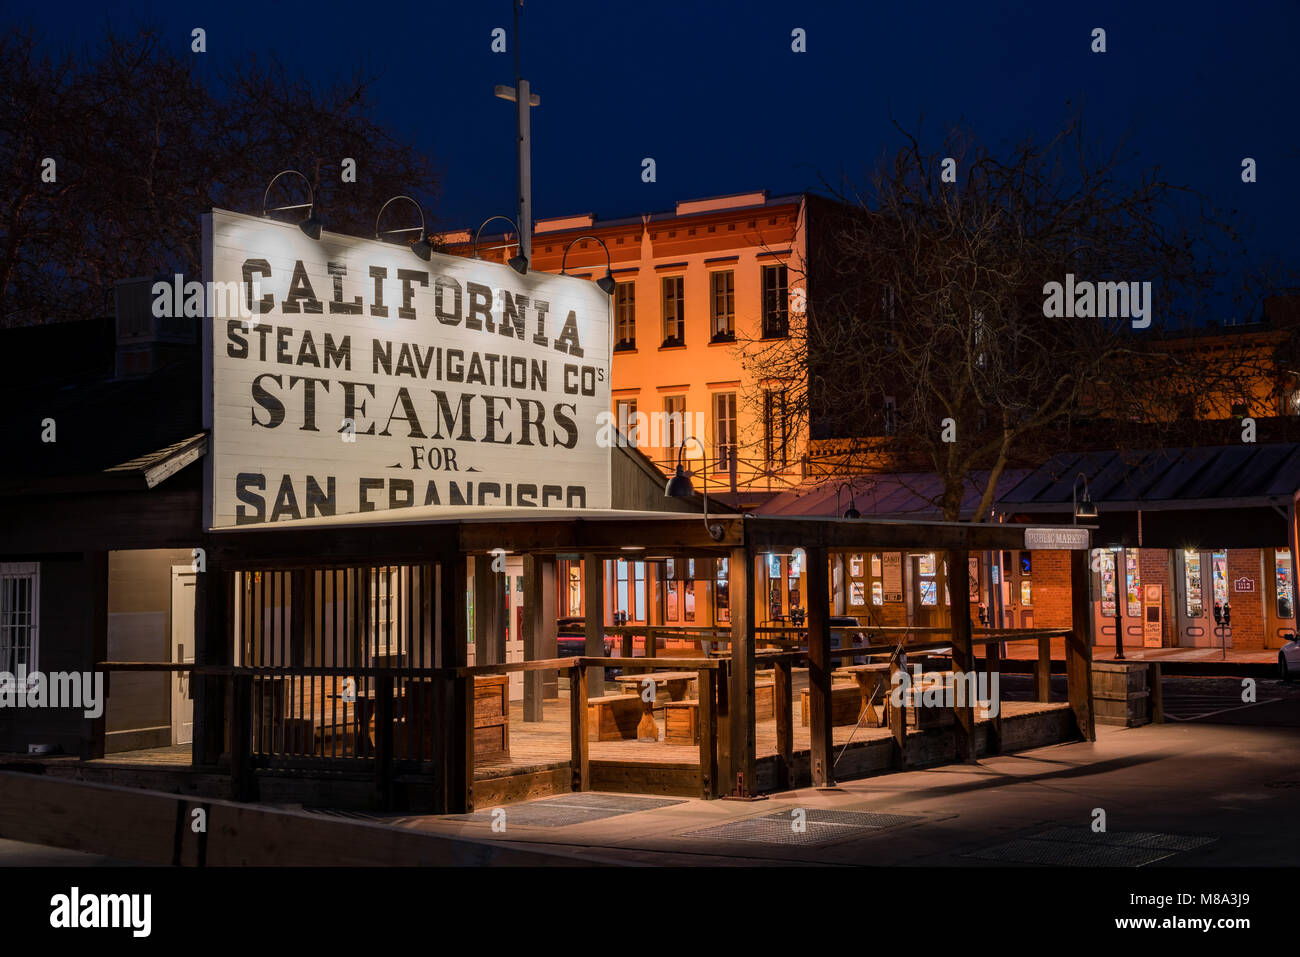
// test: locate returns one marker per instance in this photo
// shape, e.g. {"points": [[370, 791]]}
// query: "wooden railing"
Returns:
{"points": [[423, 718]]}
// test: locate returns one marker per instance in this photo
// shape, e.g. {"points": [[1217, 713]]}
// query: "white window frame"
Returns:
{"points": [[30, 570]]}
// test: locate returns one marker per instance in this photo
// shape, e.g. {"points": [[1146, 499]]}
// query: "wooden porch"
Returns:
{"points": [[269, 677]]}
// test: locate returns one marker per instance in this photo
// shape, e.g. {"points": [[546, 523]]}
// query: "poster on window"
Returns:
{"points": [[893, 579]]}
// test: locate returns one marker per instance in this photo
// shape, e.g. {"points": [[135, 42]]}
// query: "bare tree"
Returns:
{"points": [[142, 145], [929, 341]]}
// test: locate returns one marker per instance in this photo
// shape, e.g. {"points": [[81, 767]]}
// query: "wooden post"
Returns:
{"points": [[897, 716], [1157, 693], [454, 738], [708, 734], [651, 645], [214, 596], [1078, 647], [534, 624], [95, 606], [548, 570], [783, 704], [578, 762], [820, 667], [963, 655], [489, 638], [722, 724], [593, 589], [1043, 671], [744, 747], [384, 742], [241, 738], [993, 666]]}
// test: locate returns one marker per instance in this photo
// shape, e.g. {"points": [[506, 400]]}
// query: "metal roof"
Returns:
{"points": [[906, 495], [1218, 476]]}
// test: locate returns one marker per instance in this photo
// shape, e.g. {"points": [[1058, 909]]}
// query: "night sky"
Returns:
{"points": [[714, 94]]}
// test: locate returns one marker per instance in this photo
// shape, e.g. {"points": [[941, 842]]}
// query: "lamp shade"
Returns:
{"points": [[679, 486], [1085, 509]]}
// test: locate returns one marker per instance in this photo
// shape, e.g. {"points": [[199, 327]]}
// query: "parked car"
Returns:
{"points": [[1288, 659], [855, 638], [571, 641]]}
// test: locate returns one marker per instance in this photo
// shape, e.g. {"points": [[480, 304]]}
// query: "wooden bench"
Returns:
{"points": [[845, 705], [614, 717], [682, 722]]}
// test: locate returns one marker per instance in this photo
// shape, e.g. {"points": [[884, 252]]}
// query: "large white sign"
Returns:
{"points": [[360, 377]]}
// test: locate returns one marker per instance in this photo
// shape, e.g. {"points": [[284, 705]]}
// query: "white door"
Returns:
{"points": [[182, 651]]}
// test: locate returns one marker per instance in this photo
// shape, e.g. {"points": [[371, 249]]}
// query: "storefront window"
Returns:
{"points": [[875, 565], [638, 580], [929, 593], [857, 593], [877, 593], [927, 564], [1106, 564], [688, 591], [792, 579], [1192, 583], [722, 595], [1133, 584], [1284, 582], [620, 591], [1026, 592], [1220, 565], [855, 566], [575, 589]]}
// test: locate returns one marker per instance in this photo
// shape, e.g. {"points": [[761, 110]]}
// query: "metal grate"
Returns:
{"points": [[820, 827], [569, 809], [1074, 847]]}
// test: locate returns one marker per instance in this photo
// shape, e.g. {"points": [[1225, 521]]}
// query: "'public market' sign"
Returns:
{"points": [[356, 377]]}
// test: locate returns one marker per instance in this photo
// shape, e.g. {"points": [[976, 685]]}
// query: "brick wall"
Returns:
{"points": [[1247, 608]]}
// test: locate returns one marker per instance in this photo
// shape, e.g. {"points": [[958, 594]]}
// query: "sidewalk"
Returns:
{"points": [[1169, 792]]}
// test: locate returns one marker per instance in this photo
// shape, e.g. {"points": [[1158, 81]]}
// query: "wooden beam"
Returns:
{"points": [[95, 607], [534, 624], [489, 645], [820, 666], [454, 742], [963, 655], [548, 570], [783, 705], [743, 736], [214, 642], [593, 593], [1157, 693], [993, 666], [706, 681], [897, 717], [1078, 647], [578, 728], [1043, 671]]}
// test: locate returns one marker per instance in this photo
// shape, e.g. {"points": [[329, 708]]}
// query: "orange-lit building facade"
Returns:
{"points": [[698, 286]]}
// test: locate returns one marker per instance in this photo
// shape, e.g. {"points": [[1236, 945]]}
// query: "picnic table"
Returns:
{"points": [[675, 683], [871, 678]]}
